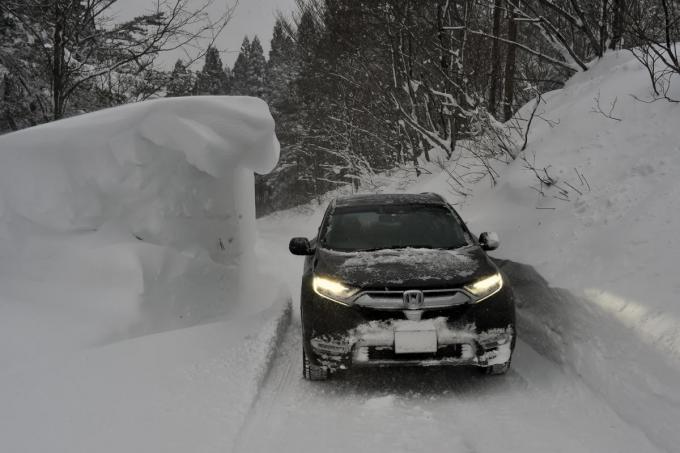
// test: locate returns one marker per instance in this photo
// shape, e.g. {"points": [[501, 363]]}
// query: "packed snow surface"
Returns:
{"points": [[538, 407]]}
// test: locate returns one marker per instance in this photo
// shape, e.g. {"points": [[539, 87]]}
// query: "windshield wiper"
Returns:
{"points": [[415, 246], [391, 247], [396, 247]]}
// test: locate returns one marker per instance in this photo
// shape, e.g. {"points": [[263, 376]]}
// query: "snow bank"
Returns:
{"points": [[178, 391], [174, 172], [616, 242], [130, 314], [609, 236], [129, 221]]}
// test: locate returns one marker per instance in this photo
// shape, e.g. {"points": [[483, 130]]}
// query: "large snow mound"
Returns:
{"points": [[172, 171], [129, 221], [616, 242], [130, 314], [606, 231]]}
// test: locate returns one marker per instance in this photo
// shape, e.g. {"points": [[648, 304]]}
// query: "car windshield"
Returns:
{"points": [[392, 227]]}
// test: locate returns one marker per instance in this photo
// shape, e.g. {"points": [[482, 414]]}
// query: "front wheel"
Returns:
{"points": [[312, 372], [495, 370]]}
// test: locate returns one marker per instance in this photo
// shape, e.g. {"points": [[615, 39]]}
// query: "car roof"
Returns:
{"points": [[428, 198]]}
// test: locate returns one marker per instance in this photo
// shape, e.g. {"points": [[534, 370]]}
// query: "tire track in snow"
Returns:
{"points": [[537, 407], [291, 414], [277, 381], [282, 324]]}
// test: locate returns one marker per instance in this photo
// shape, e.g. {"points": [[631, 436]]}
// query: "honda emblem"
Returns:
{"points": [[413, 299]]}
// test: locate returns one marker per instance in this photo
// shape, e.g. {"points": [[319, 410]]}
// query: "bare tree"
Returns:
{"points": [[80, 45], [655, 26], [619, 8], [494, 83], [509, 90]]}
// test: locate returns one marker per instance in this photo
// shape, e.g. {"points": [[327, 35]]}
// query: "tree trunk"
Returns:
{"points": [[509, 95], [617, 24], [58, 64], [604, 36], [495, 77]]}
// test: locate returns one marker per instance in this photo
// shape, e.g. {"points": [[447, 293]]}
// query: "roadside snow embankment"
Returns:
{"points": [[129, 303], [177, 391], [616, 242], [606, 230]]}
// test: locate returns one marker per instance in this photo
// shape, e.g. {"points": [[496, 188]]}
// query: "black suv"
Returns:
{"points": [[397, 279]]}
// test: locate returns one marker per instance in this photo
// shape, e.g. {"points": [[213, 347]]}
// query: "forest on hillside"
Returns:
{"points": [[356, 87]]}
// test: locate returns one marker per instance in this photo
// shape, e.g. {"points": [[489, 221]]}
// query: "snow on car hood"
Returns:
{"points": [[405, 268]]}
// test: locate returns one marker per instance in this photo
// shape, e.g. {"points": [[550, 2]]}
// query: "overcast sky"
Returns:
{"points": [[252, 17]]}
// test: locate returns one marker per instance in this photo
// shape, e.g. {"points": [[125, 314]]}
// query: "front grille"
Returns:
{"points": [[453, 351], [431, 299], [372, 314], [452, 313]]}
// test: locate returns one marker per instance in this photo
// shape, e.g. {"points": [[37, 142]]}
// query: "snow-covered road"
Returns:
{"points": [[538, 407]]}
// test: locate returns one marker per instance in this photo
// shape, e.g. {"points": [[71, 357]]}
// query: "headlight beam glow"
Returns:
{"points": [[333, 290], [485, 287]]}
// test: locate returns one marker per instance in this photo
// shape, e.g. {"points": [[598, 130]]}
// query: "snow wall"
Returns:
{"points": [[600, 246], [175, 172], [130, 307], [130, 221]]}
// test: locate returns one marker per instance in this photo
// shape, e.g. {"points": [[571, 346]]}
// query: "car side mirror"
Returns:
{"points": [[300, 246], [489, 241]]}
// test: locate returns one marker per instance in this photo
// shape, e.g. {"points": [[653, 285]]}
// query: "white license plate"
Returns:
{"points": [[415, 341]]}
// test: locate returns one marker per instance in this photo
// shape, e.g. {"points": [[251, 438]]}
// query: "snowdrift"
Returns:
{"points": [[130, 317], [129, 221], [606, 231], [174, 172]]}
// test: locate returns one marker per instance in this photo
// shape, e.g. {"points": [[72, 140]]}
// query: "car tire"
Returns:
{"points": [[313, 372], [496, 370]]}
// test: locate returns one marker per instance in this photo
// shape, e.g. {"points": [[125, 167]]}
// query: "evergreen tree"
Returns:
{"points": [[230, 79], [281, 189], [257, 68], [240, 84], [250, 69], [307, 39], [282, 70], [212, 80], [181, 81]]}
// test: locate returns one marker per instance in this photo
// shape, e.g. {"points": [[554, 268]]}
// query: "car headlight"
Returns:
{"points": [[485, 287], [333, 290]]}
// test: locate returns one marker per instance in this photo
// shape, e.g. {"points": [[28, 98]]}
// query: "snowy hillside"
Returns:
{"points": [[606, 231], [617, 241], [610, 236]]}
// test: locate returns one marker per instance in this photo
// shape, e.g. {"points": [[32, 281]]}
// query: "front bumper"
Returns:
{"points": [[340, 337]]}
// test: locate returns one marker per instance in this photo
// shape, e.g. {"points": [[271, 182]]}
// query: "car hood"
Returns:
{"points": [[405, 268]]}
